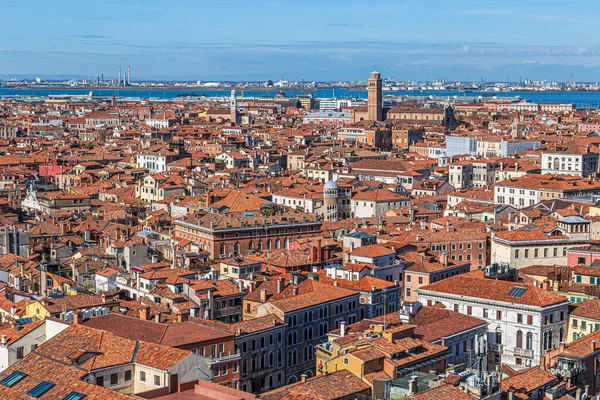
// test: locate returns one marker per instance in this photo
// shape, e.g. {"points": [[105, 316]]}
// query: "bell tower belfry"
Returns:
{"points": [[375, 97]]}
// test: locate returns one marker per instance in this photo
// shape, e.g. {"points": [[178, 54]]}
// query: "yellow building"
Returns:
{"points": [[584, 319], [306, 101], [594, 210], [548, 276], [65, 307], [369, 352]]}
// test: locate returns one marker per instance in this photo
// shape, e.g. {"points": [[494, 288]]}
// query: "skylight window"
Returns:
{"points": [[40, 389], [74, 396], [517, 291], [13, 378]]}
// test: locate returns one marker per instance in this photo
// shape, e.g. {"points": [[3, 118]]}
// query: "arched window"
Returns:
{"points": [[560, 335], [271, 359], [556, 163], [260, 245], [529, 341], [222, 249], [277, 244], [286, 243], [269, 244], [236, 247], [251, 245], [270, 381], [519, 339]]}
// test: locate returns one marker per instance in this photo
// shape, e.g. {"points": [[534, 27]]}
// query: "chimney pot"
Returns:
{"points": [[263, 295]]}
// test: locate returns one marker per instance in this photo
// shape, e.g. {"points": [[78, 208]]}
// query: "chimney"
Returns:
{"points": [[295, 291], [3, 340], [489, 384], [157, 318], [303, 378], [77, 320], [593, 346], [319, 251], [444, 258], [43, 280], [412, 385], [73, 271], [252, 286], [546, 285], [13, 311], [211, 304], [145, 313], [103, 297], [342, 328], [263, 295], [280, 285], [240, 286]]}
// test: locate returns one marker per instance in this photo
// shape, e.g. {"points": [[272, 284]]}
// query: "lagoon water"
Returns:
{"points": [[580, 98]]}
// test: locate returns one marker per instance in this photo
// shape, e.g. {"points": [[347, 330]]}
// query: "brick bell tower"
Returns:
{"points": [[375, 98]]}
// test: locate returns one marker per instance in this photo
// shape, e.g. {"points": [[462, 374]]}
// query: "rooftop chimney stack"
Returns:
{"points": [[412, 385], [128, 74]]}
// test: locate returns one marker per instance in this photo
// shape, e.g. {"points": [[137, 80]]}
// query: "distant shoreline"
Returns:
{"points": [[278, 89], [182, 88]]}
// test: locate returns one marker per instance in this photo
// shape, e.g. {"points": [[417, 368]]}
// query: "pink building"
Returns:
{"points": [[589, 127], [583, 255], [51, 169]]}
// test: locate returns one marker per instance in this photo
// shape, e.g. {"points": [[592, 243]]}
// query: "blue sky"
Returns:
{"points": [[314, 40]]}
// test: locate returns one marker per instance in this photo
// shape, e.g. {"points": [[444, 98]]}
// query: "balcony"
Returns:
{"points": [[495, 347], [522, 352], [225, 357], [326, 348]]}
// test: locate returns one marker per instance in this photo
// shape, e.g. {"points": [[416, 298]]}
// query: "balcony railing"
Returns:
{"points": [[523, 352], [225, 357], [495, 347]]}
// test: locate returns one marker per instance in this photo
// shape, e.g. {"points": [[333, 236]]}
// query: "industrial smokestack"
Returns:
{"points": [[124, 78], [129, 74], [119, 77]]}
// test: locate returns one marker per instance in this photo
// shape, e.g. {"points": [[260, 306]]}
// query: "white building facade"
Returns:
{"points": [[519, 331]]}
